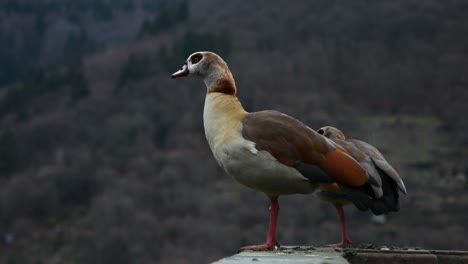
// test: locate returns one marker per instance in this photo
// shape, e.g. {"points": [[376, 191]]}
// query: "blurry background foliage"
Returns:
{"points": [[103, 158]]}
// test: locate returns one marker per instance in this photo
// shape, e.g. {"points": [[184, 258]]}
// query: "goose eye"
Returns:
{"points": [[196, 58]]}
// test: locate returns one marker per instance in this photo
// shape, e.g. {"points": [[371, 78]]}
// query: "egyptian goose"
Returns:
{"points": [[269, 151], [384, 181]]}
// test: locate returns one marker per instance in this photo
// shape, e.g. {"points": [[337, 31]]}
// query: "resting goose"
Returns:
{"points": [[384, 181], [267, 150]]}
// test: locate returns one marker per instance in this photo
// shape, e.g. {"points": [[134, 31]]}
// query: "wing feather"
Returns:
{"points": [[293, 143]]}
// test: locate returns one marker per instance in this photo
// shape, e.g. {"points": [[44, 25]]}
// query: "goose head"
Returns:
{"points": [[331, 132], [211, 68], [201, 63]]}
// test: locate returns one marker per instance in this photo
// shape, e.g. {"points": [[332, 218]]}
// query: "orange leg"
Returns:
{"points": [[345, 241], [271, 242]]}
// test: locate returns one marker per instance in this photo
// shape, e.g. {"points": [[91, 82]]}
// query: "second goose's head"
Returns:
{"points": [[331, 132]]}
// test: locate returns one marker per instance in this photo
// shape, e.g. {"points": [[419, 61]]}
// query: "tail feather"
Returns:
{"points": [[391, 172], [364, 198], [390, 190]]}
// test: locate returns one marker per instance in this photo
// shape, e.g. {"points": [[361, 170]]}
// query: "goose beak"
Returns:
{"points": [[182, 72]]}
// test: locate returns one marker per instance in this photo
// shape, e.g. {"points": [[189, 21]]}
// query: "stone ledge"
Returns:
{"points": [[287, 255], [325, 255], [415, 256]]}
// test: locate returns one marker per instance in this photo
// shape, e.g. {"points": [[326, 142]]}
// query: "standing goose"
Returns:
{"points": [[267, 151], [384, 181]]}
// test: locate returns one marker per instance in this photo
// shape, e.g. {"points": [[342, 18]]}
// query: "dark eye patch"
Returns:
{"points": [[196, 58]]}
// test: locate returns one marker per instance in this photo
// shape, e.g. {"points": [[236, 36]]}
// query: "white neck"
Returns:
{"points": [[216, 73]]}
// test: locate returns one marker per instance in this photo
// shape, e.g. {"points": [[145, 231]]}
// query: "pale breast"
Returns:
{"points": [[261, 170]]}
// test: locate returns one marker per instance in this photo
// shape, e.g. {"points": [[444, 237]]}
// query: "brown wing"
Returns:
{"points": [[380, 162], [294, 144], [366, 162]]}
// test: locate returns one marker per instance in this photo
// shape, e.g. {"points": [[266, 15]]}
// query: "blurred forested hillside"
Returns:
{"points": [[103, 157]]}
